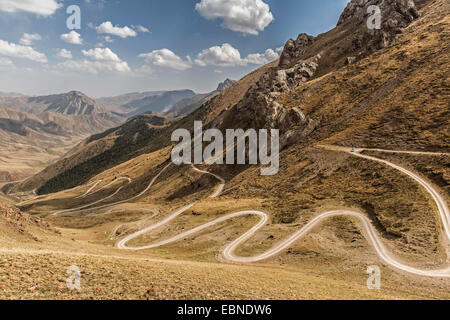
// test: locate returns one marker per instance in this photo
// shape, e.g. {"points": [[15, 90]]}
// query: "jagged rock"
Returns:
{"points": [[395, 16], [294, 49], [259, 103], [401, 11]]}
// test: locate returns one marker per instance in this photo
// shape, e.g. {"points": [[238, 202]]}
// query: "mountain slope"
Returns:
{"points": [[72, 103]]}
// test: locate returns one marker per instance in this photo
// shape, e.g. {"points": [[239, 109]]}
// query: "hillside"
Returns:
{"points": [[383, 92]]}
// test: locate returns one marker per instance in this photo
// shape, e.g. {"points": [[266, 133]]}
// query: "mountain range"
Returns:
{"points": [[39, 129]]}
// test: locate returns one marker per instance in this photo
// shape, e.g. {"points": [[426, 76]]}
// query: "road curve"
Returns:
{"points": [[441, 203], [83, 208], [90, 189], [371, 234], [89, 207]]}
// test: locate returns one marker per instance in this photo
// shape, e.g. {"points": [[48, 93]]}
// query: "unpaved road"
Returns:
{"points": [[369, 230]]}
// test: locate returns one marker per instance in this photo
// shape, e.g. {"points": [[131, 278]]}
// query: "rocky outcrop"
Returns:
{"points": [[294, 49], [395, 16], [259, 104], [404, 11]]}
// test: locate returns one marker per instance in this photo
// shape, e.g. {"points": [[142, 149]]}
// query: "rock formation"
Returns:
{"points": [[294, 49], [395, 16]]}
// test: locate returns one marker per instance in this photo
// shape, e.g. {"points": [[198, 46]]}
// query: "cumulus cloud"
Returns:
{"points": [[222, 56], [27, 39], [167, 59], [228, 56], [72, 37], [246, 16], [218, 56], [101, 54], [64, 54], [18, 51], [99, 60], [122, 32], [262, 58], [39, 7]]}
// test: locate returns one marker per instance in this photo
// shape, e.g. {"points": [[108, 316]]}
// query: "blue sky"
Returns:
{"points": [[138, 45]]}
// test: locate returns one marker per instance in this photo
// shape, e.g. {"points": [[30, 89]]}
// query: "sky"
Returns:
{"points": [[117, 46]]}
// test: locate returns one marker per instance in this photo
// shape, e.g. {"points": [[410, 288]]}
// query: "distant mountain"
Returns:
{"points": [[133, 104], [161, 103], [189, 105], [186, 106], [72, 103], [117, 103], [36, 130], [225, 85]]}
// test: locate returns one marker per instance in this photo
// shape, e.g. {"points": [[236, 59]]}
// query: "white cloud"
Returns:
{"points": [[262, 58], [99, 60], [27, 39], [18, 51], [101, 54], [39, 7], [108, 28], [227, 56], [246, 16], [72, 37], [142, 29], [166, 59], [219, 56], [223, 56], [64, 54]]}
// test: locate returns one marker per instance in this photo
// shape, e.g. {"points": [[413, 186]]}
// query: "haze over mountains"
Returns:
{"points": [[38, 129], [177, 102]]}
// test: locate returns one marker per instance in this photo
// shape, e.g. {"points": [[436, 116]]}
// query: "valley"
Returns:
{"points": [[363, 177]]}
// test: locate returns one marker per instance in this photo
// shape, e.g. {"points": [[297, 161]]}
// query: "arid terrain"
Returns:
{"points": [[139, 227]]}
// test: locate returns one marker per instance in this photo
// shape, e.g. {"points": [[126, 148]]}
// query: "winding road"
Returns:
{"points": [[229, 251]]}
